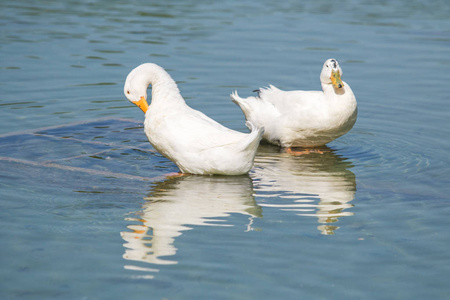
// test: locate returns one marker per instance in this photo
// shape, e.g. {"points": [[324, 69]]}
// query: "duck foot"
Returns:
{"points": [[176, 175], [303, 151]]}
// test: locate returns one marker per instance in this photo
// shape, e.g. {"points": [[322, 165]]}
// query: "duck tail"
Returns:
{"points": [[235, 98], [242, 103], [256, 134]]}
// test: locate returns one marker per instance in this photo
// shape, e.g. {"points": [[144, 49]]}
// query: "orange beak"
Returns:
{"points": [[142, 104], [336, 79]]}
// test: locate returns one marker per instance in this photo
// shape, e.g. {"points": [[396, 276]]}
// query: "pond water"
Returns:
{"points": [[87, 210]]}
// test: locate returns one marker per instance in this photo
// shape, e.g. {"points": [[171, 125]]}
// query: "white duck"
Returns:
{"points": [[303, 118], [193, 141]]}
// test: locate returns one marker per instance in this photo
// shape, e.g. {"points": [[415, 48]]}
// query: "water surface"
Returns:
{"points": [[88, 211]]}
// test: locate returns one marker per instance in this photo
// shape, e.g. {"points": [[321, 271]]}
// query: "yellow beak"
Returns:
{"points": [[142, 104], [336, 79]]}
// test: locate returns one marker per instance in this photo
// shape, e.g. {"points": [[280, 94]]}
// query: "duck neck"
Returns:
{"points": [[330, 91], [164, 89]]}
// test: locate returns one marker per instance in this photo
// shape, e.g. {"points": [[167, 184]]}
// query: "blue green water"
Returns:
{"points": [[86, 208]]}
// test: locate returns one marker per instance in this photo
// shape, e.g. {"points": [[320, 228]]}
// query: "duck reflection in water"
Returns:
{"points": [[177, 203], [315, 184]]}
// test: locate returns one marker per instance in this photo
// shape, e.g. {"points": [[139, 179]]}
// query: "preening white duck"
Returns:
{"points": [[193, 141], [303, 118]]}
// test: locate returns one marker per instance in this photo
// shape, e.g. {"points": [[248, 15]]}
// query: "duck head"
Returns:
{"points": [[331, 73], [135, 88]]}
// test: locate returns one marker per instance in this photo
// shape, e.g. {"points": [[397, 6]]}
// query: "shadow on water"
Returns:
{"points": [[177, 203], [318, 185]]}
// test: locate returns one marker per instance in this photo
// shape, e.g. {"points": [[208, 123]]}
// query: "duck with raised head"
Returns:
{"points": [[194, 142], [305, 119]]}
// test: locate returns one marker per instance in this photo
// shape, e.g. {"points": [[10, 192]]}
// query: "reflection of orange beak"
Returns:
{"points": [[142, 104], [336, 79]]}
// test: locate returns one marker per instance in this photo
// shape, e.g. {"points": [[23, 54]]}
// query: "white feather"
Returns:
{"points": [[302, 118], [194, 142]]}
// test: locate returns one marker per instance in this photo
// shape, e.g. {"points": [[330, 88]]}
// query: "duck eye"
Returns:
{"points": [[128, 92]]}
